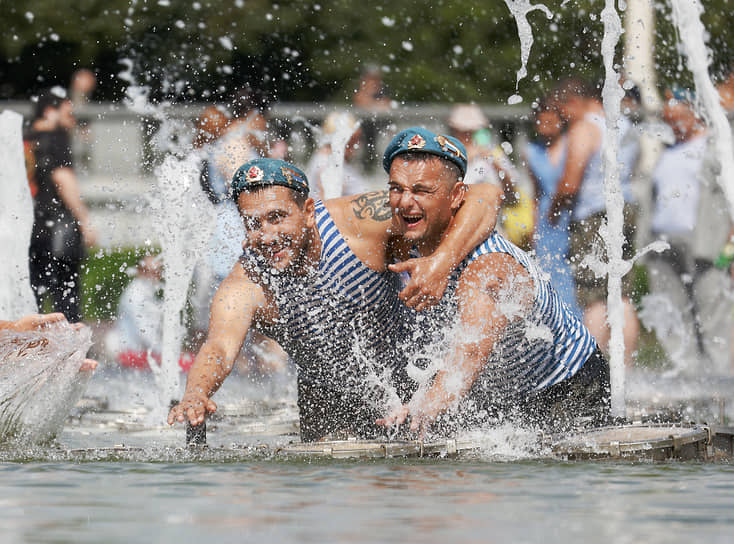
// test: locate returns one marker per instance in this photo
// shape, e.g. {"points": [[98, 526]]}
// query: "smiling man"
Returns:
{"points": [[314, 278], [512, 348]]}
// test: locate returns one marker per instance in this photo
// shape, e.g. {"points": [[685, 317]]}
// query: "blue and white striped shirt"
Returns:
{"points": [[341, 318], [544, 347]]}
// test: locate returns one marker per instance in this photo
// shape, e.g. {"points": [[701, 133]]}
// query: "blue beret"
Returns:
{"points": [[422, 140], [266, 172]]}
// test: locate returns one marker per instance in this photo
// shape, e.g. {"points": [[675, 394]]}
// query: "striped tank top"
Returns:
{"points": [[546, 346], [343, 320]]}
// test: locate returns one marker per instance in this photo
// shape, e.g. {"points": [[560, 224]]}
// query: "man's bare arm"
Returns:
{"points": [[232, 314], [483, 287], [474, 223], [583, 140], [67, 186]]}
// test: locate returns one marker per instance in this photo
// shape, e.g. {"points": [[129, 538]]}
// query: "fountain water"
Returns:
{"points": [[186, 221], [41, 379], [612, 94], [337, 137], [687, 18], [16, 296], [520, 10]]}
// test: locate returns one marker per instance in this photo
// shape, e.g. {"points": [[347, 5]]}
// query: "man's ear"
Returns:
{"points": [[309, 211], [458, 193]]}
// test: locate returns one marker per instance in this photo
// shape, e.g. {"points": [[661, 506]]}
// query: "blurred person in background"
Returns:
{"points": [[137, 337], [370, 98], [546, 157], [581, 191], [244, 138], [61, 228], [726, 91], [337, 125], [488, 163], [82, 86], [697, 295]]}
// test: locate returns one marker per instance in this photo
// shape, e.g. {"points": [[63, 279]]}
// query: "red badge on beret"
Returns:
{"points": [[416, 142], [254, 174]]}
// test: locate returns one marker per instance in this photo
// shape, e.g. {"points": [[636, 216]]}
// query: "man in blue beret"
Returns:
{"points": [[314, 278], [510, 348]]}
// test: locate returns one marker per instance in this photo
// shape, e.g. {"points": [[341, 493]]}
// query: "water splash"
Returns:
{"points": [[16, 222], [185, 225], [687, 18], [612, 94], [332, 178], [520, 10], [41, 380]]}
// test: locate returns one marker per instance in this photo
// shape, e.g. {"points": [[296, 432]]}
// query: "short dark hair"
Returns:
{"points": [[46, 99], [298, 197], [419, 156]]}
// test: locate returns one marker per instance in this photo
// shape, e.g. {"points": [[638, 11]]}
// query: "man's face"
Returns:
{"points": [[571, 108], [277, 228], [423, 197], [548, 123]]}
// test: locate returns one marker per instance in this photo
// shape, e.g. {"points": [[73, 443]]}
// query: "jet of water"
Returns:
{"points": [[185, 224], [687, 18], [16, 222], [520, 10], [612, 94]]}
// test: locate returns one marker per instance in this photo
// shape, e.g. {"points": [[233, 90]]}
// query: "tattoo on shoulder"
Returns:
{"points": [[373, 206]]}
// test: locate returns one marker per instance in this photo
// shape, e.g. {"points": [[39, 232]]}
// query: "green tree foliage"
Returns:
{"points": [[438, 50]]}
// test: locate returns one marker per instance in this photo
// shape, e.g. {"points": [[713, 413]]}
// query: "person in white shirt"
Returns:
{"points": [[693, 295]]}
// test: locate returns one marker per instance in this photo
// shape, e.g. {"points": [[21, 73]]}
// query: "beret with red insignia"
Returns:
{"points": [[419, 139], [266, 172]]}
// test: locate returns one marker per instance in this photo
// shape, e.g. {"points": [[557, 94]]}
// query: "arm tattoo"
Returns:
{"points": [[373, 206]]}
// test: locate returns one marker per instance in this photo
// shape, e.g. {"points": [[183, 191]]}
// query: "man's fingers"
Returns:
{"points": [[88, 365], [192, 415], [409, 291], [175, 414], [402, 266]]}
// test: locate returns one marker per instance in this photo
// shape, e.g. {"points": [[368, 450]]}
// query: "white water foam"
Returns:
{"points": [[332, 177]]}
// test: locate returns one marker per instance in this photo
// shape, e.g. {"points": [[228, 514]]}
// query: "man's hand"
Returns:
{"points": [[34, 322], [192, 408], [88, 365], [429, 277], [420, 420]]}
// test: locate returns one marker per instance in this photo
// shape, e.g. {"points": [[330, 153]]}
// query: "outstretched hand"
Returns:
{"points": [[34, 322], [192, 408], [429, 277]]}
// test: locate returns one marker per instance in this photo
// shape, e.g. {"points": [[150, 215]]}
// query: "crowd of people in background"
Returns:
{"points": [[553, 204]]}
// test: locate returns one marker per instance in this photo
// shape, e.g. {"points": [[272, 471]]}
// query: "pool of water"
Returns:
{"points": [[436, 500], [155, 490]]}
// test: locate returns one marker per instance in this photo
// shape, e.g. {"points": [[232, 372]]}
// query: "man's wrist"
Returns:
{"points": [[447, 256]]}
